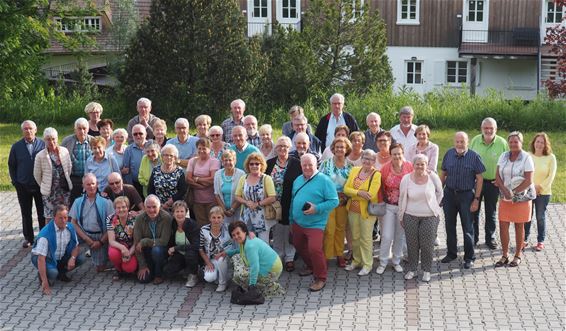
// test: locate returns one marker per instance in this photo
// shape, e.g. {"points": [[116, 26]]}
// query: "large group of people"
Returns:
{"points": [[231, 203]]}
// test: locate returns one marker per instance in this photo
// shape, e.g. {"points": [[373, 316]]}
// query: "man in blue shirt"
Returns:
{"points": [[133, 156], [185, 143], [241, 146]]}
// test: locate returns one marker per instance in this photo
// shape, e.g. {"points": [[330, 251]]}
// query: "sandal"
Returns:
{"points": [[516, 261], [116, 277], [290, 266], [502, 261]]}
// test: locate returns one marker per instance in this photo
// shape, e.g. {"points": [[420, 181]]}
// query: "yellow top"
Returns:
{"points": [[351, 192], [545, 171]]}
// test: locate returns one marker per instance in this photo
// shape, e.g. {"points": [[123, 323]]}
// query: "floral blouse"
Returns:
{"points": [[278, 173], [165, 184], [124, 234], [338, 175]]}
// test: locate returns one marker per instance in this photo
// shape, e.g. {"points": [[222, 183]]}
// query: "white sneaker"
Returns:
{"points": [[88, 254], [350, 267], [221, 288], [409, 275], [426, 277], [380, 270], [398, 268], [192, 280], [436, 241], [364, 272]]}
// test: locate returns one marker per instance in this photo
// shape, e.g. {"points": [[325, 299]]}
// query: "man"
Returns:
{"points": [[20, 165], [250, 123], [185, 143], [303, 146], [287, 128], [88, 215], [152, 232], [489, 146], [404, 132], [133, 156], [237, 108], [314, 196], [300, 124], [56, 250], [373, 121], [144, 118], [462, 180], [78, 145], [241, 146], [329, 122], [117, 188]]}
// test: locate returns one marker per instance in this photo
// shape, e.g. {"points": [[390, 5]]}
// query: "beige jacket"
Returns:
{"points": [[43, 171]]}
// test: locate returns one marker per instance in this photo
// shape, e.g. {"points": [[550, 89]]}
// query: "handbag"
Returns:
{"points": [[375, 208], [250, 297], [274, 211]]}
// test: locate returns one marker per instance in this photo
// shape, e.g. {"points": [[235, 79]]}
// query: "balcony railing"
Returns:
{"points": [[261, 28], [516, 42]]}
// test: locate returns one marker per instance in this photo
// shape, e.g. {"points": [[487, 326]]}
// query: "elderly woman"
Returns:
{"points": [[266, 146], [256, 267], [120, 227], [338, 169], [383, 143], [340, 131], [160, 132], [217, 144], [225, 182], [119, 137], [167, 181], [420, 194], [93, 111], [392, 234], [200, 178], [52, 171], [424, 146], [545, 171], [149, 161], [357, 138], [100, 163], [106, 127], [254, 192], [202, 123], [362, 187], [514, 177], [214, 242], [284, 170]]}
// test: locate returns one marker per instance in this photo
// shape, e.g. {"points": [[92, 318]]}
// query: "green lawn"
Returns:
{"points": [[9, 133]]}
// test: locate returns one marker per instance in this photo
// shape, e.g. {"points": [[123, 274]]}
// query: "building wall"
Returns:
{"points": [[514, 78]]}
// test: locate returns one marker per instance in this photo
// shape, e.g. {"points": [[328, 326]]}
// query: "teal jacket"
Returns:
{"points": [[48, 232], [321, 192], [258, 256]]}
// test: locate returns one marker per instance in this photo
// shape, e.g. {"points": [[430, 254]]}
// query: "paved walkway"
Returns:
{"points": [[483, 298]]}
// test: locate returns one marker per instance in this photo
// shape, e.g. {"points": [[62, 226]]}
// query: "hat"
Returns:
{"points": [[408, 110]]}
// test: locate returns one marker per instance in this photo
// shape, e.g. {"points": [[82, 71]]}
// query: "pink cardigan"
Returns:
{"points": [[433, 191]]}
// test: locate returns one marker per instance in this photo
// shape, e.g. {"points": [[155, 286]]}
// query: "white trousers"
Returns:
{"points": [[219, 273], [392, 237], [281, 243]]}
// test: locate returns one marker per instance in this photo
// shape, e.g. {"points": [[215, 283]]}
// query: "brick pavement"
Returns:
{"points": [[525, 298]]}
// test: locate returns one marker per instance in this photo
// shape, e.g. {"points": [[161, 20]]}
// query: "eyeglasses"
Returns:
{"points": [[215, 135], [114, 183], [137, 134], [254, 164], [368, 159]]}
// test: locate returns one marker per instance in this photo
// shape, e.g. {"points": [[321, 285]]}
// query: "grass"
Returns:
{"points": [[9, 133]]}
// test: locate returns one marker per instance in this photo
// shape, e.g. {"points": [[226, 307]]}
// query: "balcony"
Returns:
{"points": [[261, 28], [517, 42]]}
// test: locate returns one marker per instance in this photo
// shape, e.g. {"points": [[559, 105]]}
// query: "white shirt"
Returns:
{"points": [[399, 136], [63, 237], [332, 124]]}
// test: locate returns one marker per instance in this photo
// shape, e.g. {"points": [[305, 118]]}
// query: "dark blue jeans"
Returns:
{"points": [[540, 204], [155, 257], [459, 203], [489, 195], [52, 273]]}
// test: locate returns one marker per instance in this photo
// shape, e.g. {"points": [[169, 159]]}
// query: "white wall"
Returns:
{"points": [[515, 78]]}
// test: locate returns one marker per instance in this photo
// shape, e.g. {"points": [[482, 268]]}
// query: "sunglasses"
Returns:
{"points": [[254, 164], [114, 183]]}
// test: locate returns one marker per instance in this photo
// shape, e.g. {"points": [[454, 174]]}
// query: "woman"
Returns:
{"points": [[121, 249], [362, 187], [119, 137], [420, 194], [340, 131], [254, 191], [257, 266], [106, 127], [383, 143], [93, 111], [214, 241], [183, 246], [202, 123], [266, 147], [167, 181], [217, 145], [392, 234], [225, 182], [100, 163], [545, 171], [160, 132], [284, 170], [200, 178], [424, 146], [357, 138], [149, 161], [52, 171], [338, 169], [514, 177]]}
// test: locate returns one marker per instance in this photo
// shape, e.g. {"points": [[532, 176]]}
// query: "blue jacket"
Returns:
{"points": [[319, 191], [48, 232], [20, 163], [101, 210]]}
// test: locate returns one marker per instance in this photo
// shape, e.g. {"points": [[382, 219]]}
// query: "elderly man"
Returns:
{"points": [[56, 250], [250, 123], [241, 146], [287, 128], [462, 179], [152, 232], [185, 143], [237, 108], [489, 146], [373, 121], [133, 156], [303, 146], [404, 132], [20, 165], [79, 149], [88, 215], [144, 118], [117, 188], [300, 124], [314, 196], [329, 122]]}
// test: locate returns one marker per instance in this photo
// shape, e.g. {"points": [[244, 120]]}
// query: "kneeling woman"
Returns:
{"points": [[214, 241], [257, 264]]}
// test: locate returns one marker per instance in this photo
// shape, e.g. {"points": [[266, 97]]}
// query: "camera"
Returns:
{"points": [[306, 206]]}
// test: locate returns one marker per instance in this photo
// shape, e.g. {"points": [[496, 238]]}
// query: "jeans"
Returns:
{"points": [[459, 202], [155, 257], [541, 202], [52, 273], [489, 195]]}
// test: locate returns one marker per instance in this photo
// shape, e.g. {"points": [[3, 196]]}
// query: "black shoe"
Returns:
{"points": [[26, 243], [447, 259], [63, 277], [492, 244], [468, 264]]}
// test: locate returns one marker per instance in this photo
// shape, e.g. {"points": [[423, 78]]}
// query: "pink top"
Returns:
{"points": [[391, 181], [204, 169]]}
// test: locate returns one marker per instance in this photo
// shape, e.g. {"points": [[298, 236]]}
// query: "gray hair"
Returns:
{"points": [[283, 140], [373, 114], [463, 134], [337, 95], [240, 128], [120, 131], [310, 157], [152, 197], [250, 118], [295, 109], [517, 134], [490, 120], [203, 118], [369, 153], [216, 128], [143, 100], [301, 118], [420, 157], [266, 128], [91, 175], [302, 135], [82, 122], [50, 132], [92, 107], [240, 101], [154, 146], [141, 127], [182, 120], [172, 148], [30, 122]]}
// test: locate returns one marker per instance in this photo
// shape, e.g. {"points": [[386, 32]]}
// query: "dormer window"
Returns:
{"points": [[408, 12], [76, 24]]}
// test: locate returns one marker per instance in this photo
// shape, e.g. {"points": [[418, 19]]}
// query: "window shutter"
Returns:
{"points": [[439, 72]]}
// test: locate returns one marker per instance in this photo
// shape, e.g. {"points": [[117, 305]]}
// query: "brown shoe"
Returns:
{"points": [[157, 280], [305, 272], [340, 261], [317, 286]]}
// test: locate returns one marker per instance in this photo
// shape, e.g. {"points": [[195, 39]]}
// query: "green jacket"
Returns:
{"points": [[144, 235]]}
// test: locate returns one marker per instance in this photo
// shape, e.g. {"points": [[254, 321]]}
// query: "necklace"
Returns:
{"points": [[226, 178]]}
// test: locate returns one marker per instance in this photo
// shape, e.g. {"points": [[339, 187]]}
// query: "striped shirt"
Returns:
{"points": [[461, 170], [212, 245]]}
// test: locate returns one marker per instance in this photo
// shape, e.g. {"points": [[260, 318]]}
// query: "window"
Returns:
{"points": [[414, 72], [554, 12], [457, 72], [74, 24], [357, 8], [289, 9], [260, 8], [476, 11], [408, 11]]}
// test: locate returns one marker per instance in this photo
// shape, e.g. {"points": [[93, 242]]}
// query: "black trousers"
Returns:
{"points": [[177, 262], [77, 189], [26, 196]]}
